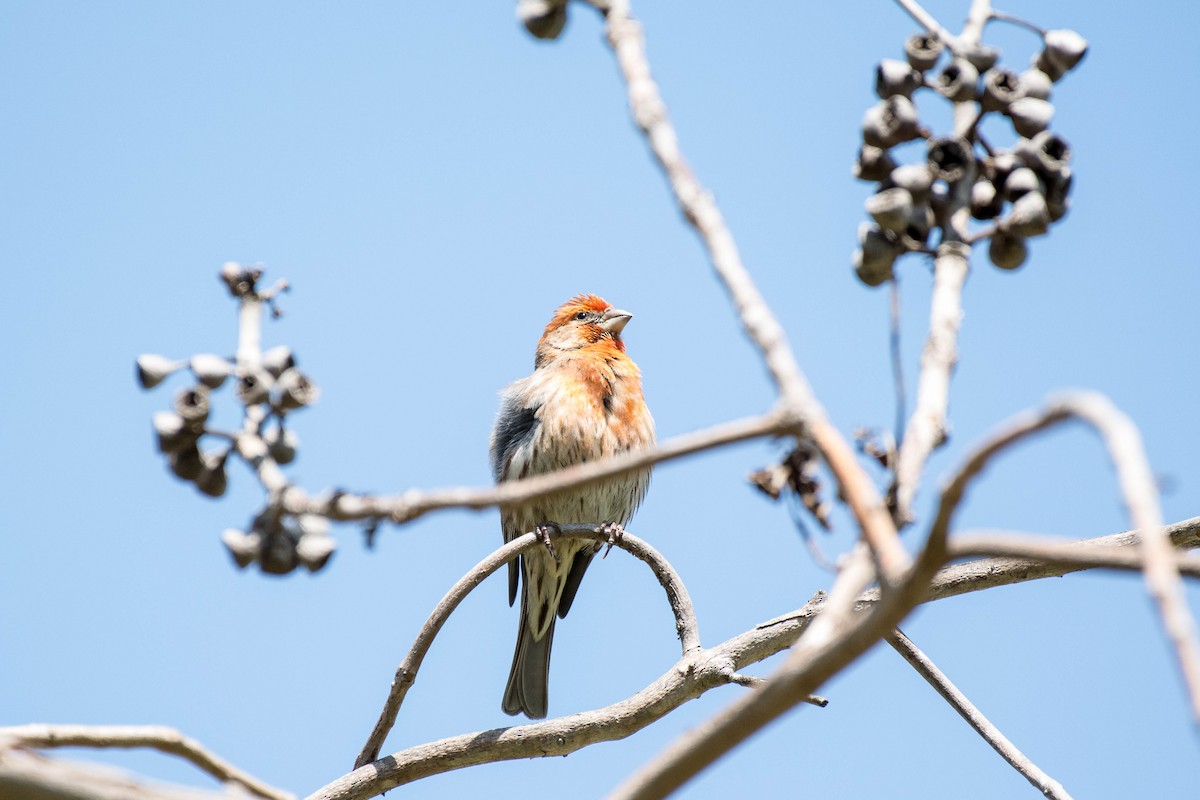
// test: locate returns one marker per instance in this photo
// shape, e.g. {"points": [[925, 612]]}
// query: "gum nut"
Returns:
{"points": [[872, 272], [152, 369], [890, 208], [186, 462], [1000, 166], [873, 163], [890, 122], [916, 178], [1029, 216], [1042, 62], [281, 445], [922, 51], [296, 390], [171, 431], [1021, 182], [278, 359], [894, 77], [545, 19], [231, 272], [986, 202], [242, 546], [1046, 153], [251, 446], [959, 81], [1064, 48], [920, 223], [314, 551], [254, 388], [192, 404], [210, 370], [212, 479], [1030, 116], [277, 556], [312, 525], [950, 157], [873, 260], [1000, 88], [1007, 252], [1035, 83], [1058, 189], [982, 57]]}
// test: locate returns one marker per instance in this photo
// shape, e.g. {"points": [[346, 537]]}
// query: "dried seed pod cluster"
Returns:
{"points": [[269, 387], [1020, 191]]}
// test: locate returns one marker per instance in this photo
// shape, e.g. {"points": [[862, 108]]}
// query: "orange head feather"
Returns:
{"points": [[584, 321]]}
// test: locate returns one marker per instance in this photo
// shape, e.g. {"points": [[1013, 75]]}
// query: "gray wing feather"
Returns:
{"points": [[514, 429]]}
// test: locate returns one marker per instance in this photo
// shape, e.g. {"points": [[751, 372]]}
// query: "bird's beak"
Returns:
{"points": [[614, 320]]}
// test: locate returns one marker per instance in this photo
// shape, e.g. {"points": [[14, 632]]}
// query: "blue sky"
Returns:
{"points": [[433, 183]]}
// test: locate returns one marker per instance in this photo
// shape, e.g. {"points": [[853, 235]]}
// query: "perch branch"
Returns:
{"points": [[163, 739], [406, 673], [414, 503], [686, 680], [975, 718]]}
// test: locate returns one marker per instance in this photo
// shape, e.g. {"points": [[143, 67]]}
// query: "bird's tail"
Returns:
{"points": [[526, 692]]}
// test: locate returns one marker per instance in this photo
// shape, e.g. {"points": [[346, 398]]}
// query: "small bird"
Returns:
{"points": [[583, 402]]}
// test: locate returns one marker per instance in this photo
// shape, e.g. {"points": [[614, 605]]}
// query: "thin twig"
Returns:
{"points": [[625, 36], [406, 673], [1000, 16], [897, 358], [156, 737], [1140, 495], [930, 23], [688, 679], [975, 718]]}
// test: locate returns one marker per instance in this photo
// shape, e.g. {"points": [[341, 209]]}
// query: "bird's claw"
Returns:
{"points": [[543, 532], [615, 532]]}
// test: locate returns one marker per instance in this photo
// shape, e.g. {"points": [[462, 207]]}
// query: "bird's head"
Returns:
{"points": [[585, 321]]}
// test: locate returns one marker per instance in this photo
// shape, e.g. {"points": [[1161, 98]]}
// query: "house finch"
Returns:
{"points": [[582, 402]]}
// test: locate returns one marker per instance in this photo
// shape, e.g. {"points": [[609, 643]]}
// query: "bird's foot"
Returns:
{"points": [[543, 532], [615, 532]]}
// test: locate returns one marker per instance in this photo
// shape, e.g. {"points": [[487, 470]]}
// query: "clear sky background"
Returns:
{"points": [[434, 182]]}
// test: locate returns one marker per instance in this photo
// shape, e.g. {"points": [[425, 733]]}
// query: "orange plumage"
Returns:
{"points": [[583, 402]]}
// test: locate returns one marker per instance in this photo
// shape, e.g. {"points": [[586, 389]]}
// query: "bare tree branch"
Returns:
{"points": [[1137, 486], [926, 428], [975, 718], [1060, 553], [689, 678], [406, 673], [156, 737], [625, 36], [26, 775]]}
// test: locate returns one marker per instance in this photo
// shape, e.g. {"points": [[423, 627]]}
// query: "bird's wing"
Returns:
{"points": [[514, 430]]}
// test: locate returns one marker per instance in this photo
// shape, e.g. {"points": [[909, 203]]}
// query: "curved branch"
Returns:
{"points": [[406, 673], [1141, 498], [687, 679], [156, 737]]}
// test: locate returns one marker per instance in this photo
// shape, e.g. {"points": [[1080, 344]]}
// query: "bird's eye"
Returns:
{"points": [[581, 315]]}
